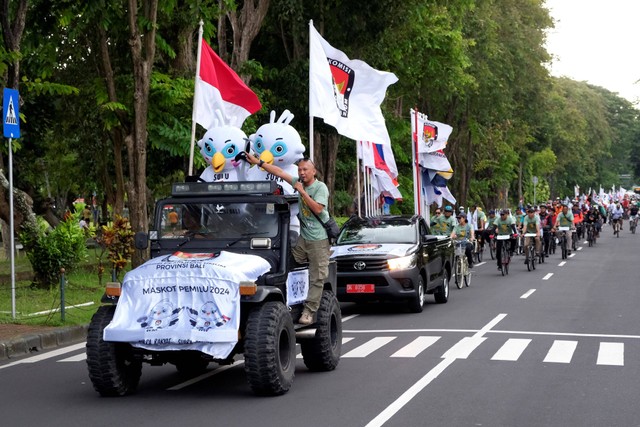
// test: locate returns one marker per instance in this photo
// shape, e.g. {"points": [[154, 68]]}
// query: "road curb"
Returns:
{"points": [[32, 343]]}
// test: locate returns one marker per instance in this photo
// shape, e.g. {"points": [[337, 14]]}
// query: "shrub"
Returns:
{"points": [[53, 249], [117, 238]]}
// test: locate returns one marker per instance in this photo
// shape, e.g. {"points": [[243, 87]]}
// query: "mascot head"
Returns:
{"points": [[277, 142], [220, 145]]}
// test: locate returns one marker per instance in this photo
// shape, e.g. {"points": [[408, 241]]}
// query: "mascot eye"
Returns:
{"points": [[230, 150], [258, 145], [279, 149], [208, 149]]}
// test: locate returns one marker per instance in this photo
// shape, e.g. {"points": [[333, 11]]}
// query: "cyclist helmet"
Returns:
{"points": [[492, 212], [504, 212], [531, 209], [448, 208]]}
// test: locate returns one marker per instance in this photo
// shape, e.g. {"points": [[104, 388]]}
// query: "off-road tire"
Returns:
{"points": [[112, 369], [270, 349], [322, 353], [416, 303], [441, 294]]}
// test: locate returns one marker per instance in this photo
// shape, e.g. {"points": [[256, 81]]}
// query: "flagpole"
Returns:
{"points": [[358, 176], [195, 90], [417, 187], [310, 91]]}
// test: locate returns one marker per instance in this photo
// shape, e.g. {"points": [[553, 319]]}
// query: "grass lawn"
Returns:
{"points": [[42, 306]]}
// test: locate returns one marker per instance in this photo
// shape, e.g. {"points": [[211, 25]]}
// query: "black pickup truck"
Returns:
{"points": [[392, 258]]}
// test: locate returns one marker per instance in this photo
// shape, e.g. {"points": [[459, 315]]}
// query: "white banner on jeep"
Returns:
{"points": [[184, 301]]}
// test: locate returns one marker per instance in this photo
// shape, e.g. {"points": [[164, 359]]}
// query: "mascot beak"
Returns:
{"points": [[267, 157], [217, 163]]}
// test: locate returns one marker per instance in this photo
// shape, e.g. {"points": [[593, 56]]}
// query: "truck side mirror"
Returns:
{"points": [[141, 240]]}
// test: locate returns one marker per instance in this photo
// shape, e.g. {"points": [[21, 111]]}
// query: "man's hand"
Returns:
{"points": [[298, 187]]}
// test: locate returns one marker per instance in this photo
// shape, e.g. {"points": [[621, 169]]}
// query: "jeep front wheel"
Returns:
{"points": [[270, 349], [112, 369], [322, 352]]}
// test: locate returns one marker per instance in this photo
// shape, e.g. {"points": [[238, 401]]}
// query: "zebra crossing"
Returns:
{"points": [[560, 352]]}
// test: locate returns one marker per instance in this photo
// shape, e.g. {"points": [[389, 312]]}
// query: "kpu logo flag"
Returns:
{"points": [[347, 93], [218, 87], [432, 135], [435, 160]]}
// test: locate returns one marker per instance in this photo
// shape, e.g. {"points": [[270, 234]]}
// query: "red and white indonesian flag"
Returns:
{"points": [[380, 161], [431, 135], [218, 87], [347, 93]]}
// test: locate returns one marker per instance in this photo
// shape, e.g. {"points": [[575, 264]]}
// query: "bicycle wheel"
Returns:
{"points": [[533, 257], [479, 252], [459, 278], [492, 249], [563, 247], [467, 276], [529, 256]]}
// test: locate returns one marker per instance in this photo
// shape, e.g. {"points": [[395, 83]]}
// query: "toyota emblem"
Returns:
{"points": [[360, 265]]}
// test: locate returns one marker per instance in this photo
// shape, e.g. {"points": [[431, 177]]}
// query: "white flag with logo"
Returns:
{"points": [[346, 93], [431, 135]]}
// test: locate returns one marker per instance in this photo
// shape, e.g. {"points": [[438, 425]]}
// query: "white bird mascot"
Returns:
{"points": [[219, 146]]}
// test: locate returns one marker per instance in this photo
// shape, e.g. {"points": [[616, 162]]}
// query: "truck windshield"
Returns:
{"points": [[378, 231], [217, 220]]}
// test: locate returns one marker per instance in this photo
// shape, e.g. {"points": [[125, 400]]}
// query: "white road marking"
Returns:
{"points": [[527, 294], [548, 276], [512, 349], [416, 347], [561, 351], [408, 395], [344, 319], [47, 355], [463, 348], [611, 353], [562, 264], [369, 347], [495, 331], [77, 358], [344, 341], [586, 242], [579, 248], [481, 263], [572, 255], [204, 376]]}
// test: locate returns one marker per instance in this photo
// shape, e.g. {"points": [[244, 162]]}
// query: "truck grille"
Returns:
{"points": [[351, 265]]}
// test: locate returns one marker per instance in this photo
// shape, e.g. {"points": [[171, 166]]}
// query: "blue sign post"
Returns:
{"points": [[10, 114], [11, 128]]}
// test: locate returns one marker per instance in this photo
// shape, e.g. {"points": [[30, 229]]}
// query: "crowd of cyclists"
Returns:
{"points": [[557, 222]]}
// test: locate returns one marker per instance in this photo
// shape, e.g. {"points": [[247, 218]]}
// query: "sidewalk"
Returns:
{"points": [[25, 340]]}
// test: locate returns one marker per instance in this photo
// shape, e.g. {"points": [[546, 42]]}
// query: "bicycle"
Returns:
{"points": [[563, 241], [478, 248], [633, 224], [591, 235], [574, 240], [530, 251], [553, 243], [461, 270], [519, 245], [616, 227], [505, 258]]}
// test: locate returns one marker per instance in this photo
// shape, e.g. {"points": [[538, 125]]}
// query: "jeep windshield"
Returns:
{"points": [[377, 230], [217, 221]]}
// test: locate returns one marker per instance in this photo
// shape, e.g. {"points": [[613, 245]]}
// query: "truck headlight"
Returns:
{"points": [[402, 263]]}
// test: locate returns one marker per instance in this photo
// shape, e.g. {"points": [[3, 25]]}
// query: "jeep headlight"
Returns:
{"points": [[402, 263]]}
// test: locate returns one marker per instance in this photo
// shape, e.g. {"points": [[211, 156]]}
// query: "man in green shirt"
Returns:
{"points": [[443, 225], [565, 219], [531, 225], [505, 226], [313, 245]]}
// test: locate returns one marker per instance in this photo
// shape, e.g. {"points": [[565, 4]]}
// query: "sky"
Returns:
{"points": [[597, 41]]}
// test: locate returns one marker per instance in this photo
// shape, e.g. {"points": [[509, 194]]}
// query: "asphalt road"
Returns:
{"points": [[558, 346]]}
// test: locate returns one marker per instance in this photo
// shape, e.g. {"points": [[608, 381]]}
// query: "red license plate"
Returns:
{"points": [[369, 288]]}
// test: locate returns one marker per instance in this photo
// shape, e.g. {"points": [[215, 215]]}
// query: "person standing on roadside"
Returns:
{"points": [[313, 244]]}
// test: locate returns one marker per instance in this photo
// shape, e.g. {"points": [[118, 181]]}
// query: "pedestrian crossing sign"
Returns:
{"points": [[10, 114]]}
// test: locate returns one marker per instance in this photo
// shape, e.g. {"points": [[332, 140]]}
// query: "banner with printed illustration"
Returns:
{"points": [[184, 301]]}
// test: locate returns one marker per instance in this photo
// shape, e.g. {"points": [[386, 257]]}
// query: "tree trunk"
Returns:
{"points": [[142, 58], [245, 26], [12, 35], [24, 220]]}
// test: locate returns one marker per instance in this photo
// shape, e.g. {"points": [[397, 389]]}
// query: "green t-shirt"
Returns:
{"points": [[565, 220], [310, 228], [519, 218], [444, 226], [530, 223], [481, 217], [462, 231], [490, 222], [504, 226]]}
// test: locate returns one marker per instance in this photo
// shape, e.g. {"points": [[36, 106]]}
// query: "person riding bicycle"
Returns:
{"points": [[480, 224], [545, 227], [565, 219], [577, 220], [443, 225], [591, 219], [530, 225], [633, 212], [616, 216], [505, 226], [464, 232]]}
